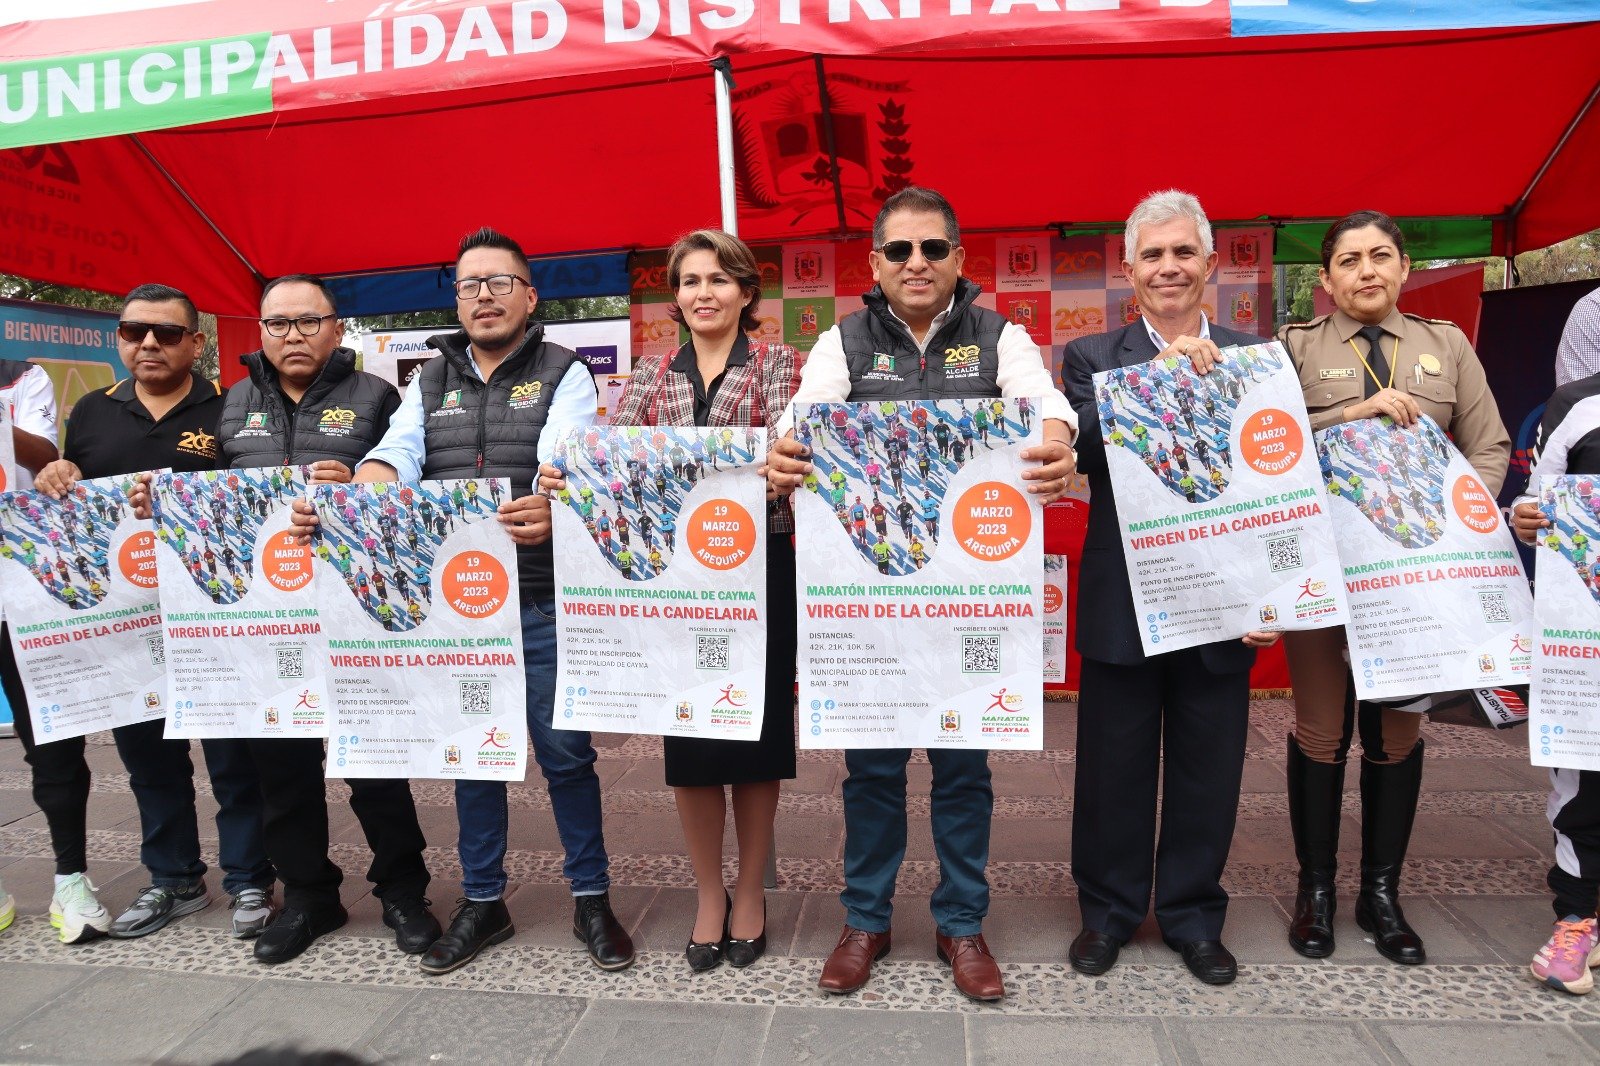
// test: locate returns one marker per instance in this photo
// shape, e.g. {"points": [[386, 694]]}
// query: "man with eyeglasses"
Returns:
{"points": [[494, 403], [305, 403], [164, 416], [896, 348]]}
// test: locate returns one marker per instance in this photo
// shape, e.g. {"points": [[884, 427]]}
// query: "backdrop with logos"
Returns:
{"points": [[1058, 288]]}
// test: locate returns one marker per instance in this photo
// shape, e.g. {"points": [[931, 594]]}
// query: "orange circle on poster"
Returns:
{"points": [[3, 480], [1474, 505], [137, 560], [1271, 442], [721, 534], [475, 585], [1052, 598], [286, 564], [992, 521]]}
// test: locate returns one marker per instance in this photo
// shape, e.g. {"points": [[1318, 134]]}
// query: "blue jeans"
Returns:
{"points": [[161, 776], [875, 836], [567, 760]]}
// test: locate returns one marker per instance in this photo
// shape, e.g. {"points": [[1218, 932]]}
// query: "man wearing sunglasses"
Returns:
{"points": [[899, 347], [164, 416], [494, 403], [305, 403]]}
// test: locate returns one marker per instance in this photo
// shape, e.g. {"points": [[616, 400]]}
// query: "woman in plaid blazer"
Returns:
{"points": [[722, 378]]}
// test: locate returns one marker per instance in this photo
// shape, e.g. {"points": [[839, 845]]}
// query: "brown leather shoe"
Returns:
{"points": [[848, 968], [977, 974]]}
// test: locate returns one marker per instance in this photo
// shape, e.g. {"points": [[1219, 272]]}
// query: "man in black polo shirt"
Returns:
{"points": [[306, 403], [166, 416]]}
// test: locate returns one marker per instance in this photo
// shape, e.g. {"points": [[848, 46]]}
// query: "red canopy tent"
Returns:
{"points": [[215, 143]]}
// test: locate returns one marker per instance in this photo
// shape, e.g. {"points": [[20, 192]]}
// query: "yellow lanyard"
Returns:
{"points": [[1392, 357]]}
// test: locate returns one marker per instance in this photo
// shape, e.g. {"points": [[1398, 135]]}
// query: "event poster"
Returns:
{"points": [[79, 580], [416, 588], [920, 573], [237, 607], [1224, 523], [660, 544], [1438, 599], [1055, 619], [1563, 718]]}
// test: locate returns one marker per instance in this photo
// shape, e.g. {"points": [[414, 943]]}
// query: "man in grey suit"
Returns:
{"points": [[1193, 704]]}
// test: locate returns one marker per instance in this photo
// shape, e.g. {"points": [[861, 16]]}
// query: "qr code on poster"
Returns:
{"points": [[1283, 553], [475, 697], [1493, 602], [980, 653], [710, 652], [158, 649], [291, 662]]}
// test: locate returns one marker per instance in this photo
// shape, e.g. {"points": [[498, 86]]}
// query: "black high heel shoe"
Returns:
{"points": [[742, 953], [703, 957]]}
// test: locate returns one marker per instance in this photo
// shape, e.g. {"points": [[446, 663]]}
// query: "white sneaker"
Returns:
{"points": [[76, 912], [8, 909]]}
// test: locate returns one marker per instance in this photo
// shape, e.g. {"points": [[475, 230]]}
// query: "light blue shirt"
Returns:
{"points": [[403, 447]]}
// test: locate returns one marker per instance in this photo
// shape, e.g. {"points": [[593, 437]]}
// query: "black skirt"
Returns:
{"points": [[693, 762]]}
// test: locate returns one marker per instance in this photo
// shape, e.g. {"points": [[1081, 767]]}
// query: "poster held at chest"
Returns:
{"points": [[660, 541], [416, 588], [1438, 599], [1055, 619], [238, 609], [78, 576], [1563, 718], [8, 456], [1224, 523], [920, 569]]}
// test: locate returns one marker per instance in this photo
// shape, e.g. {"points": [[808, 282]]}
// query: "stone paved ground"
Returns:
{"points": [[190, 994]]}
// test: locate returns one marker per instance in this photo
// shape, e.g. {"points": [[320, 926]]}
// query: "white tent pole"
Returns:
{"points": [[722, 73]]}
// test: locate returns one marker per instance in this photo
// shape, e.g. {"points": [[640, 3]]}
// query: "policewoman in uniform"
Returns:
{"points": [[1365, 360], [304, 402]]}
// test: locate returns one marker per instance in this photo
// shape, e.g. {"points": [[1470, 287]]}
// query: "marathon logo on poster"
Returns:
{"points": [[807, 270], [1023, 264]]}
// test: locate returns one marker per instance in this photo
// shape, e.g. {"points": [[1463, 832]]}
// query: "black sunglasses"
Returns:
{"points": [[166, 333], [934, 250]]}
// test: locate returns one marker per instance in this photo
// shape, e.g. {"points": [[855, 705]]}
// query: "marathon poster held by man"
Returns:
{"points": [[1438, 599], [660, 537], [238, 611], [921, 573], [78, 577], [1223, 521], [415, 584]]}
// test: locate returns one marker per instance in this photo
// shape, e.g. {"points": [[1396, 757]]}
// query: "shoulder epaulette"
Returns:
{"points": [[1430, 321]]}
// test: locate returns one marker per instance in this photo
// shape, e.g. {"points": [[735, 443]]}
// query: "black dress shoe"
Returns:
{"points": [[708, 955], [474, 926], [294, 930], [1208, 960], [415, 927], [1094, 952], [742, 953], [593, 923]]}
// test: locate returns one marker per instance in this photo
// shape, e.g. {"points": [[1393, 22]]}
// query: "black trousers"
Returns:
{"points": [[1575, 816], [295, 821], [1127, 717], [60, 774]]}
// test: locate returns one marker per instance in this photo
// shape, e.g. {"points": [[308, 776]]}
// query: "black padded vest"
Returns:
{"points": [[962, 359], [342, 416], [473, 428]]}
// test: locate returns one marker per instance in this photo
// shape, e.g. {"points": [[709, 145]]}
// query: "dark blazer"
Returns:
{"points": [[1107, 625]]}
